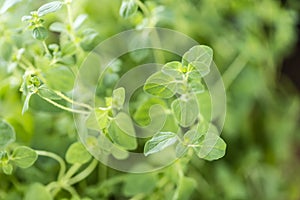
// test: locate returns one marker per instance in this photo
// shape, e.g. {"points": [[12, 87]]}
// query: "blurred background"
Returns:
{"points": [[257, 50]]}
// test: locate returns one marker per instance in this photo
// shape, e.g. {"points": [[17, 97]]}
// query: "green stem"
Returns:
{"points": [[234, 70], [46, 48], [71, 101], [70, 18], [85, 173], [63, 107], [72, 171], [58, 159], [72, 191]]}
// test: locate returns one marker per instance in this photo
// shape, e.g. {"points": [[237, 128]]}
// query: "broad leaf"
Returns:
{"points": [[162, 85], [57, 27], [173, 69], [49, 8], [40, 33], [24, 157], [185, 110], [212, 147], [200, 58], [7, 168], [159, 142], [122, 133], [77, 153], [79, 21], [118, 98], [8, 4], [7, 134], [128, 8], [37, 191]]}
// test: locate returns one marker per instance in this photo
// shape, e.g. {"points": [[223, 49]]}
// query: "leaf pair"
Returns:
{"points": [[208, 146], [184, 77], [22, 156]]}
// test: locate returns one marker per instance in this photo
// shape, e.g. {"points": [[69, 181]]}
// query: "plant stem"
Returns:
{"points": [[71, 100], [86, 172], [58, 159], [46, 48], [70, 18], [63, 107], [72, 171], [234, 70]]}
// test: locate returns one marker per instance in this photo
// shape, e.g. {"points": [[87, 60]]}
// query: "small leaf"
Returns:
{"points": [[79, 21], [40, 33], [212, 147], [7, 168], [37, 191], [122, 133], [173, 69], [49, 8], [57, 27], [128, 8], [77, 153], [159, 142], [185, 110], [26, 18], [118, 98], [7, 134], [162, 85], [200, 58], [8, 4], [24, 157], [102, 118]]}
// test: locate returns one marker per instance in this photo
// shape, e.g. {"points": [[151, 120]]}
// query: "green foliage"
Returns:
{"points": [[159, 142], [7, 134], [42, 55], [23, 157], [77, 154], [128, 8]]}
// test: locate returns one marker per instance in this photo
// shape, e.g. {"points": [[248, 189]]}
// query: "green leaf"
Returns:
{"points": [[40, 33], [49, 8], [199, 57], [162, 85], [121, 131], [77, 153], [118, 98], [119, 153], [60, 78], [7, 168], [212, 147], [8, 4], [143, 115], [159, 142], [24, 157], [47, 93], [185, 110], [79, 21], [57, 27], [128, 8], [37, 191], [173, 69], [139, 184], [7, 134], [185, 189]]}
